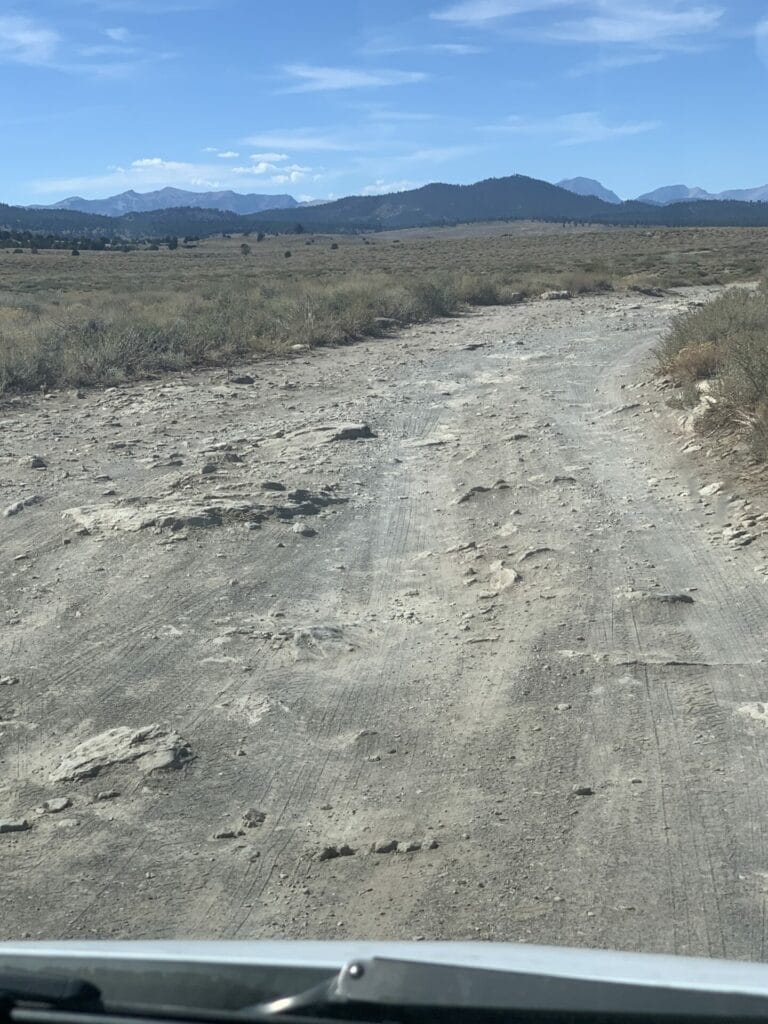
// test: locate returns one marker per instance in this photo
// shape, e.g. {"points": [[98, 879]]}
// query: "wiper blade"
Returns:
{"points": [[49, 990], [53, 999], [369, 988]]}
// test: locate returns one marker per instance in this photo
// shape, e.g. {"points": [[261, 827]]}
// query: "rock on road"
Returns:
{"points": [[432, 636]]}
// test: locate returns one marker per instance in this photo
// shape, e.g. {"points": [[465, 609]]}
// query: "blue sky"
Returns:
{"points": [[323, 99]]}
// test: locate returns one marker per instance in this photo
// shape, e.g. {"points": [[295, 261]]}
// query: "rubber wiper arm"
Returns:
{"points": [[52, 990]]}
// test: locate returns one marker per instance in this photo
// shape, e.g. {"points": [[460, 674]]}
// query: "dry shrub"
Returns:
{"points": [[727, 339], [695, 362]]}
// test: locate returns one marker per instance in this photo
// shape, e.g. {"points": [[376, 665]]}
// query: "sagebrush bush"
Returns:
{"points": [[123, 340], [726, 340]]}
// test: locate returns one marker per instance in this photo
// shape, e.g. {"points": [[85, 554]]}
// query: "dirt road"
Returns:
{"points": [[505, 631]]}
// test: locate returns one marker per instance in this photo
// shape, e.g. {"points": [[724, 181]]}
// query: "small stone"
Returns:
{"points": [[430, 844], [583, 791], [352, 432], [710, 489], [562, 707], [272, 485], [253, 818], [384, 846], [243, 378], [9, 680], [559, 294], [20, 825], [346, 851], [56, 804], [412, 846], [304, 531], [229, 833], [107, 794], [209, 469], [14, 509], [329, 853], [33, 462]]}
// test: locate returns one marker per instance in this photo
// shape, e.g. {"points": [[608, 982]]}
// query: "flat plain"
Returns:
{"points": [[449, 633]]}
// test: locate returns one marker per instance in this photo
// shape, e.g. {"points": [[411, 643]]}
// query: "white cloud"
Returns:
{"points": [[761, 39], [602, 21], [382, 187], [300, 139], [26, 42], [271, 157], [228, 154], [455, 49], [385, 46], [479, 12], [310, 78], [438, 154], [118, 35], [626, 24], [614, 62], [151, 172], [573, 129], [293, 177], [258, 168]]}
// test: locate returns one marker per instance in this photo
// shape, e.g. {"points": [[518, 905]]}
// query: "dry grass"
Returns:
{"points": [[727, 341], [106, 317]]}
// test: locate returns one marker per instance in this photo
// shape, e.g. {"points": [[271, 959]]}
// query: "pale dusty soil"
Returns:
{"points": [[421, 669]]}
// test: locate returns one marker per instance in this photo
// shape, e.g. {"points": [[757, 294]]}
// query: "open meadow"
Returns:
{"points": [[105, 317]]}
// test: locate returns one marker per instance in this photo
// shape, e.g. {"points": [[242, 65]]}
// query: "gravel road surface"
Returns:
{"points": [[431, 636]]}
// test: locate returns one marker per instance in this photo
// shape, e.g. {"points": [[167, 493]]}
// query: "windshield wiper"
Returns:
{"points": [[27, 998], [47, 990], [383, 989]]}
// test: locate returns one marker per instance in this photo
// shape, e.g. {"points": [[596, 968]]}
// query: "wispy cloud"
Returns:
{"points": [[761, 39], [382, 187], [572, 129], [625, 24], [228, 154], [480, 12], [614, 62], [311, 78], [387, 116], [391, 46], [596, 21], [118, 35], [454, 49], [441, 154], [25, 41], [301, 140], [146, 6], [270, 157], [148, 173]]}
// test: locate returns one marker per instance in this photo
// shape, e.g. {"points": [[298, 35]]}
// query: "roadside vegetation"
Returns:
{"points": [[718, 354], [112, 316]]}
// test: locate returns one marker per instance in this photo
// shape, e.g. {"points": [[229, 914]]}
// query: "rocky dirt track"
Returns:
{"points": [[486, 669]]}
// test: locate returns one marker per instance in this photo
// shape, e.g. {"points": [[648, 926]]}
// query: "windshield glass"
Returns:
{"points": [[383, 472]]}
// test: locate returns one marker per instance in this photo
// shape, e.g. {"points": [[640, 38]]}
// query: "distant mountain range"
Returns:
{"points": [[678, 193], [172, 198], [588, 187], [511, 198], [667, 194]]}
